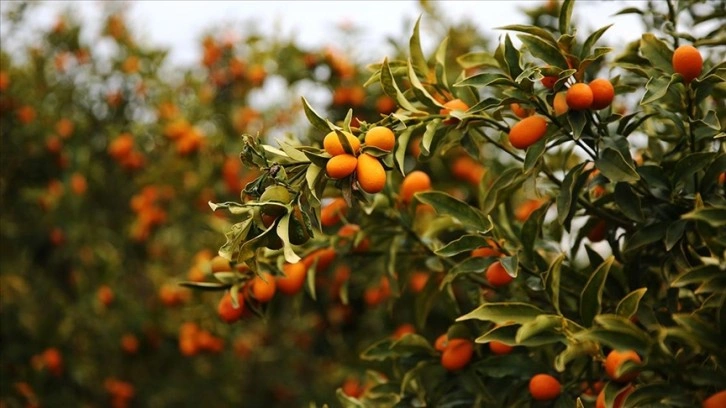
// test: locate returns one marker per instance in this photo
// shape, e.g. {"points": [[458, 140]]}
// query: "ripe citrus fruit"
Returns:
{"points": [[371, 174], [466, 168], [688, 62], [527, 131], [418, 281], [414, 182], [331, 213], [615, 359], [579, 97], [332, 144], [226, 310], [499, 348], [340, 166], [549, 81], [544, 387], [497, 275], [618, 403], [602, 93], [219, 264], [381, 137], [441, 342], [717, 400], [457, 354], [519, 111], [453, 105], [263, 287], [559, 104], [294, 278]]}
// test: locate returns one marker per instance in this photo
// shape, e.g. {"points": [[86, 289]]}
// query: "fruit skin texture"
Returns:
{"points": [[381, 137], [579, 97], [452, 105], [688, 62], [499, 348], [559, 104], [615, 359], [414, 182], [497, 275], [717, 400], [371, 174], [227, 312], [340, 166], [332, 144], [263, 287], [519, 111], [294, 278], [602, 93], [457, 354], [331, 213], [544, 387], [527, 131]]}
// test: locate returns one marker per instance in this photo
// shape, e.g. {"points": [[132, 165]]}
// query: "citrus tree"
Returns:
{"points": [[537, 223]]}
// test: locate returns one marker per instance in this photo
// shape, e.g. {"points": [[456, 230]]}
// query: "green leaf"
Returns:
{"points": [[440, 57], [206, 286], [657, 87], [347, 401], [707, 335], [713, 216], [625, 326], [674, 233], [545, 51], [629, 304], [573, 351], [314, 118], [542, 323], [698, 275], [591, 296], [649, 394], [507, 182], [538, 32], [412, 343], [628, 202], [506, 334], [402, 145], [390, 87], [477, 59], [422, 95], [236, 235], [551, 281], [532, 229], [613, 165], [448, 205], [591, 40], [534, 154], [465, 243], [417, 60], [691, 164], [283, 231], [428, 137], [468, 265], [512, 58], [504, 312], [578, 122], [511, 265], [645, 236], [657, 52], [570, 190], [484, 79], [565, 16]]}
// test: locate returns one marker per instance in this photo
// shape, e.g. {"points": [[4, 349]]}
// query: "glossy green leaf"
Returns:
{"points": [[592, 40], [697, 275], [542, 323], [657, 52], [314, 118], [484, 79], [283, 231], [551, 281], [402, 145], [422, 95], [512, 57], [465, 243], [391, 88], [417, 59], [447, 205], [628, 202], [645, 236], [657, 87], [440, 57], [477, 59], [591, 296], [543, 50], [648, 394], [713, 216], [565, 16], [629, 304], [613, 165], [569, 192], [499, 313]]}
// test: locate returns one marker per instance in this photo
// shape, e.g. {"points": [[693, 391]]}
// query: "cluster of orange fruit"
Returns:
{"points": [[455, 353], [121, 392], [187, 138], [368, 169], [146, 207], [122, 150], [193, 340]]}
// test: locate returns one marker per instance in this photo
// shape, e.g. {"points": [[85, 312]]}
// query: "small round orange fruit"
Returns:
{"points": [[441, 342], [371, 174], [499, 348], [527, 131], [453, 105], [602, 93], [717, 400], [615, 359], [579, 97], [497, 275], [618, 403], [294, 278], [519, 111], [414, 182], [559, 104], [381, 137], [226, 310], [263, 287], [341, 166], [220, 264], [549, 81], [332, 144], [331, 213], [688, 62], [457, 354], [544, 387]]}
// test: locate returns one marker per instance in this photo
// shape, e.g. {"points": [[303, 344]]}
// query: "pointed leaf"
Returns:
{"points": [[448, 205], [591, 296], [499, 313]]}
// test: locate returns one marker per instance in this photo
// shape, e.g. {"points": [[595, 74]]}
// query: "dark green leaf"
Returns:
{"points": [[657, 52], [713, 216], [534, 154], [646, 235], [570, 190], [542, 323], [512, 57], [504, 312], [613, 165], [543, 50], [316, 120], [674, 233], [657, 87], [629, 304], [628, 202], [578, 122], [448, 205], [591, 40], [465, 243], [591, 296], [551, 281], [565, 16]]}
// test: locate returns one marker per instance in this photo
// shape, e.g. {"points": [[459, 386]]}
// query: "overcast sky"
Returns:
{"points": [[179, 25]]}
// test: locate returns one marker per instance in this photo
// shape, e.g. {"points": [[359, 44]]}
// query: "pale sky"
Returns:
{"points": [[180, 24]]}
